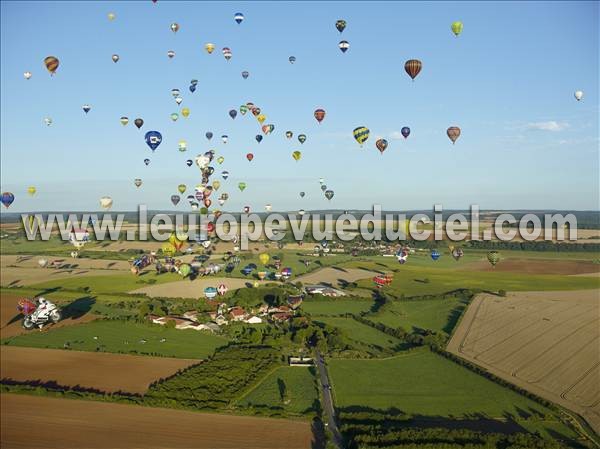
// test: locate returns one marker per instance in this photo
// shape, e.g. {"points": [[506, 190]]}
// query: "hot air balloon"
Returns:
{"points": [[413, 67], [86, 108], [264, 258], [381, 145], [361, 134], [189, 162], [138, 122], [254, 109], [227, 53], [453, 133], [48, 121], [578, 95], [42, 263], [31, 190], [268, 208], [216, 184], [323, 187], [493, 257], [174, 116], [246, 209], [222, 289], [224, 138], [296, 155], [207, 202], [319, 115], [250, 156], [174, 27], [456, 28], [301, 212], [302, 138], [245, 74], [435, 254], [115, 58], [292, 59], [242, 186], [329, 194], [185, 112], [51, 63], [137, 182], [171, 54], [259, 138], [243, 109], [106, 202], [209, 48], [289, 134], [209, 135], [405, 131], [178, 100], [233, 113], [27, 75], [261, 118], [302, 194], [225, 174], [192, 88], [124, 121], [147, 161], [175, 199], [111, 16], [220, 160], [184, 270], [344, 46], [340, 25], [182, 188], [321, 181], [7, 199], [239, 17], [153, 139]]}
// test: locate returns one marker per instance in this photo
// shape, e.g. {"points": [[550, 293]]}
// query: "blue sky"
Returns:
{"points": [[507, 81]]}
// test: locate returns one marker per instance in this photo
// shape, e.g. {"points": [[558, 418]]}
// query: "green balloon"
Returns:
{"points": [[242, 186], [184, 270]]}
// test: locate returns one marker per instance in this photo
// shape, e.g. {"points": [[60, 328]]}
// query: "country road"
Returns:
{"points": [[328, 401]]}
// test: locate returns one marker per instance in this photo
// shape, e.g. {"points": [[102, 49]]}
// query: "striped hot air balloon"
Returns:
{"points": [[227, 53], [413, 67], [51, 63], [381, 145], [361, 134]]}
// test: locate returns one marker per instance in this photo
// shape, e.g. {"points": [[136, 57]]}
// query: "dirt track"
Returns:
{"points": [[545, 342], [101, 371], [333, 276], [65, 423]]}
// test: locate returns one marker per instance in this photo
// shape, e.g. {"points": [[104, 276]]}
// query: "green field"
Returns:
{"points": [[292, 389], [433, 314], [426, 384], [329, 307], [124, 337], [361, 333]]}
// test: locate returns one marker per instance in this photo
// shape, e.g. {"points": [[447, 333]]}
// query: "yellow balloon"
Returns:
{"points": [[31, 190], [168, 248], [297, 155], [256, 284], [111, 16], [264, 258], [209, 48], [182, 188], [185, 112], [216, 185], [261, 118]]}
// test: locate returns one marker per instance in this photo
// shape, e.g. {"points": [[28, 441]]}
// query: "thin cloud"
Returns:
{"points": [[550, 125], [396, 135]]}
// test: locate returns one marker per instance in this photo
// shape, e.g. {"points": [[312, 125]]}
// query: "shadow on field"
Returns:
{"points": [[78, 308]]}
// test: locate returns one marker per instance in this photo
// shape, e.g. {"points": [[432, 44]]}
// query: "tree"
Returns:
{"points": [[144, 310]]}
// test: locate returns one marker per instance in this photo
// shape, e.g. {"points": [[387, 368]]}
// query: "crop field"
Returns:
{"points": [[99, 371], [328, 307], [97, 425], [426, 384], [433, 314], [545, 342], [124, 337], [360, 332], [292, 389]]}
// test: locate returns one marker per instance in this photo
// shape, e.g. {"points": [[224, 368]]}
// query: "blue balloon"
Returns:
{"points": [[435, 254], [7, 199], [405, 132], [209, 135], [258, 138], [239, 17], [153, 139], [146, 161], [193, 88]]}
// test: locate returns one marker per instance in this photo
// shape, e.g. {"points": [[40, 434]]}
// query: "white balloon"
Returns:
{"points": [[106, 202], [202, 161], [578, 95], [27, 75]]}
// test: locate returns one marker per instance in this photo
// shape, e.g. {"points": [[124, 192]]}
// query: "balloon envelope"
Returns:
{"points": [[7, 199], [153, 139]]}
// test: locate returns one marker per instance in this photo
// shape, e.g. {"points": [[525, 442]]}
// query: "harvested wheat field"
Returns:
{"points": [[65, 423], [537, 266], [192, 289], [335, 276], [545, 342], [10, 318], [100, 371]]}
